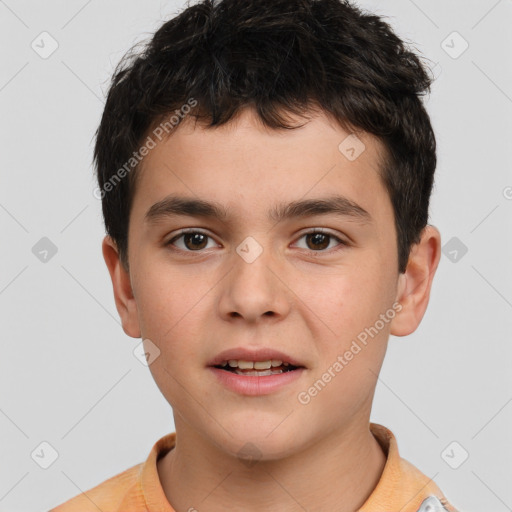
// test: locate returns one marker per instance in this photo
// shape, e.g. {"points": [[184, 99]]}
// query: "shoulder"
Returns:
{"points": [[402, 482], [106, 496], [128, 490], [432, 498]]}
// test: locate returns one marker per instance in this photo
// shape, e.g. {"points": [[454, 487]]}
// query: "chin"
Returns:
{"points": [[260, 440]]}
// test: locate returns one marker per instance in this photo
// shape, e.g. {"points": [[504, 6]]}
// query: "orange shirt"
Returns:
{"points": [[401, 487]]}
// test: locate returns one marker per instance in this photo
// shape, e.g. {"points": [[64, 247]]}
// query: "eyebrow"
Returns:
{"points": [[338, 205]]}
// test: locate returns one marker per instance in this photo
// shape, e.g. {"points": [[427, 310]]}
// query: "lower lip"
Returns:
{"points": [[252, 385]]}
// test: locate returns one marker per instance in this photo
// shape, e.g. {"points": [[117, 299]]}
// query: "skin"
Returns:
{"points": [[193, 305]]}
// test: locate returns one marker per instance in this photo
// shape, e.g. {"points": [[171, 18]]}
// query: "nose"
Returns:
{"points": [[255, 287]]}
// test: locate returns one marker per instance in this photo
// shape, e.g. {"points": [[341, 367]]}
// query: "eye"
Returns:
{"points": [[318, 240], [193, 240]]}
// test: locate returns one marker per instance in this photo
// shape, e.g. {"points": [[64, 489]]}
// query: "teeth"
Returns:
{"points": [[257, 365], [245, 365], [262, 365], [260, 373]]}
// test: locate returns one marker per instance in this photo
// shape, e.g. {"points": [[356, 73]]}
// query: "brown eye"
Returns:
{"points": [[192, 241], [317, 241]]}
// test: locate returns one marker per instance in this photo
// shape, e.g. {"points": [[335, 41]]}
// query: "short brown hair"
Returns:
{"points": [[276, 56]]}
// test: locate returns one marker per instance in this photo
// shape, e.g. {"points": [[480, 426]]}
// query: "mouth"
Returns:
{"points": [[255, 362], [255, 371], [256, 368]]}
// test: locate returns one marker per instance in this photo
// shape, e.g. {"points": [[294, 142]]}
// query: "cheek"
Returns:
{"points": [[351, 349], [170, 305], [345, 302], [171, 310]]}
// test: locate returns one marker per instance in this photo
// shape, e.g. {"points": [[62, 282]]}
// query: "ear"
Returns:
{"points": [[415, 283], [123, 294]]}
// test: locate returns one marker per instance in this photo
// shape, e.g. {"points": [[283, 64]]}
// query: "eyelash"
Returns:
{"points": [[342, 243]]}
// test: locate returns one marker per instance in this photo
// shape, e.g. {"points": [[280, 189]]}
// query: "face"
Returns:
{"points": [[306, 284]]}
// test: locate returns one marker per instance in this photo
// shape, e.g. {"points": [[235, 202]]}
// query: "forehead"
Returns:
{"points": [[247, 165]]}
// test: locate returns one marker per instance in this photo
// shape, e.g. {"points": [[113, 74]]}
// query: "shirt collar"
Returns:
{"points": [[401, 487]]}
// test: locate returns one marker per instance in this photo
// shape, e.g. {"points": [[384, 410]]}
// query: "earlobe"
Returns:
{"points": [[123, 293], [413, 290]]}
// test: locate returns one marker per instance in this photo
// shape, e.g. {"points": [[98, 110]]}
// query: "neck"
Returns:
{"points": [[337, 473]]}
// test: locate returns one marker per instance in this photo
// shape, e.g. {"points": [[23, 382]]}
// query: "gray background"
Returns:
{"points": [[67, 372]]}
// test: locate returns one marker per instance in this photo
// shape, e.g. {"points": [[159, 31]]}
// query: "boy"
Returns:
{"points": [[288, 140]]}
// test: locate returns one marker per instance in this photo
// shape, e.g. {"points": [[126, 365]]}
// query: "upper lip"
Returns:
{"points": [[259, 354]]}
